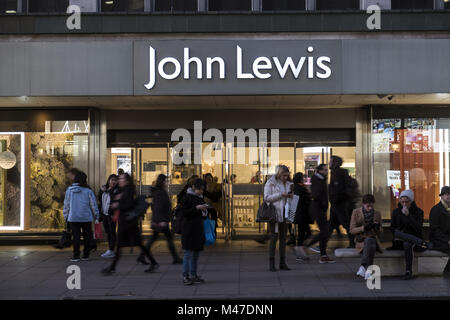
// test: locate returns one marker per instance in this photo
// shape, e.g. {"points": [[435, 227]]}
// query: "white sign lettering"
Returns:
{"points": [[170, 68]]}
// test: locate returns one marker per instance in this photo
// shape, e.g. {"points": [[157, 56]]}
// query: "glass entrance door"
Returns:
{"points": [[151, 160]]}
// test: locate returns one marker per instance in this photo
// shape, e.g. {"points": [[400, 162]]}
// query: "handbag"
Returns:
{"points": [[66, 238], [160, 227], [176, 220], [210, 235], [266, 213], [98, 234]]}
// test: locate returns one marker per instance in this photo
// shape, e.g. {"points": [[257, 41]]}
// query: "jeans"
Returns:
{"points": [[321, 218], [79, 228], [110, 229], [409, 242], [370, 247], [190, 262], [281, 234]]}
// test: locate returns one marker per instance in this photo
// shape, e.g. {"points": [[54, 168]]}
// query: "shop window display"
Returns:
{"points": [[411, 154], [11, 168]]}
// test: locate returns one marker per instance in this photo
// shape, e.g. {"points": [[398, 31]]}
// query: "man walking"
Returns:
{"points": [[319, 206], [341, 202]]}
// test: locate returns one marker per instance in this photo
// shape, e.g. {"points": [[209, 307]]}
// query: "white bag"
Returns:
{"points": [[291, 208]]}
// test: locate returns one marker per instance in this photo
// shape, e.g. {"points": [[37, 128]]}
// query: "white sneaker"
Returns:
{"points": [[108, 254], [361, 272], [367, 275]]}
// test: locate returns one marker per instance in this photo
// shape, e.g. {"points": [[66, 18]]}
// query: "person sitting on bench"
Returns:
{"points": [[365, 224], [440, 226], [406, 226]]}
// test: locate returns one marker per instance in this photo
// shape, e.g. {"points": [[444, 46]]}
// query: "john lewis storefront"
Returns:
{"points": [[90, 101]]}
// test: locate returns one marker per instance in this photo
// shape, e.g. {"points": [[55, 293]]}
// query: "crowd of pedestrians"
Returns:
{"points": [[199, 199]]}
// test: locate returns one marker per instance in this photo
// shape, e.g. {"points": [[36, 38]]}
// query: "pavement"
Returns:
{"points": [[232, 270]]}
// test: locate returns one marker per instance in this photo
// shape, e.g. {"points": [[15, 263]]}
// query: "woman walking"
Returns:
{"points": [[128, 234], [194, 210], [302, 217], [80, 209], [277, 191], [161, 210], [105, 195]]}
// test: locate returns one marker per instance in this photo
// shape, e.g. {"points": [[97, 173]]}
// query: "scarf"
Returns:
{"points": [[368, 215]]}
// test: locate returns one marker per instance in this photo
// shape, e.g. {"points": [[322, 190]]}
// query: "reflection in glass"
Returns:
{"points": [[283, 5], [122, 5]]}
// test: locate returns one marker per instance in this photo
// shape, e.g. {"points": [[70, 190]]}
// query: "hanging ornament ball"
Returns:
{"points": [[7, 160]]}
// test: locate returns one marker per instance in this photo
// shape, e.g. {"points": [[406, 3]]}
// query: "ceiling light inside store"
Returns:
{"points": [[109, 2], [10, 11]]}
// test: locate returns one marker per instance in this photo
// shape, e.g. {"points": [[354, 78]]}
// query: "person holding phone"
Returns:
{"points": [[194, 210], [277, 191]]}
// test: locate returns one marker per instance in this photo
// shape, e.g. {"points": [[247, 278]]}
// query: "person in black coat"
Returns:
{"points": [[161, 209], [440, 226], [194, 211], [128, 234], [340, 211], [105, 196], [406, 227], [318, 208], [302, 217], [188, 185]]}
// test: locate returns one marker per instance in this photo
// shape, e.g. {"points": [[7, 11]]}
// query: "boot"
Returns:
{"points": [[272, 264], [283, 265]]}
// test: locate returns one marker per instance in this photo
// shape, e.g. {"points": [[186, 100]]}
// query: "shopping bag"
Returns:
{"points": [[210, 235], [292, 208], [98, 234]]}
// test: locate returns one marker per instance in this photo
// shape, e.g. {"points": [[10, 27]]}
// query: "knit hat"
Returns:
{"points": [[409, 194]]}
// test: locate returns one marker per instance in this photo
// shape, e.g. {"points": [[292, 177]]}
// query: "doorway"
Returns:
{"points": [[241, 183]]}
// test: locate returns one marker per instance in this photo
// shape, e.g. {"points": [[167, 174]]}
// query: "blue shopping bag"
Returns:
{"points": [[210, 235]]}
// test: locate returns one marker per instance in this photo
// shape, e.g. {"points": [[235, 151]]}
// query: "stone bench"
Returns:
{"points": [[392, 263]]}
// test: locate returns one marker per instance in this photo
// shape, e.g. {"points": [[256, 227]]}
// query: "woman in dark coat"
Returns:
{"points": [[161, 209], [128, 234], [194, 211], [302, 217]]}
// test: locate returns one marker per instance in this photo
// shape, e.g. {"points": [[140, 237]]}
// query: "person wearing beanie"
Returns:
{"points": [[440, 226], [406, 227]]}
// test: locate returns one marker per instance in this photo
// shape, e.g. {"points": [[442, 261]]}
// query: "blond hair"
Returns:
{"points": [[280, 170]]}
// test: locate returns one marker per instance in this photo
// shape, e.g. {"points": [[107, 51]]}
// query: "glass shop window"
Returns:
{"points": [[337, 4], [229, 5], [122, 5], [284, 5], [175, 5]]}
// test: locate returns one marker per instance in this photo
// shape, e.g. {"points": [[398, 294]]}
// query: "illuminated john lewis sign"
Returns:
{"points": [[235, 67], [311, 66]]}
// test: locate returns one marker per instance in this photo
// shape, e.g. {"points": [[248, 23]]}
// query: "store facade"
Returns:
{"points": [[100, 103]]}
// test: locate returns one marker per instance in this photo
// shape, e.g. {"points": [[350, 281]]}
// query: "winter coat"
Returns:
{"points": [[128, 233], [339, 184], [302, 211], [440, 227], [101, 200], [357, 228], [319, 192], [192, 231], [272, 193], [80, 204], [161, 206], [411, 223]]}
